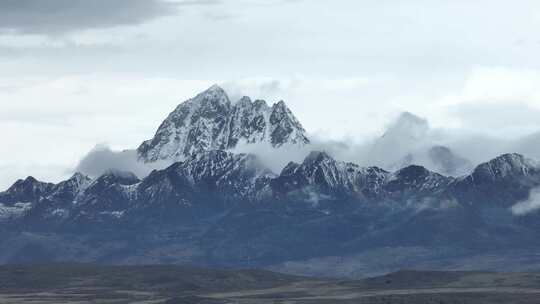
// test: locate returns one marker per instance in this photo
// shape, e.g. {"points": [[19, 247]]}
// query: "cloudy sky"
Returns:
{"points": [[76, 73]]}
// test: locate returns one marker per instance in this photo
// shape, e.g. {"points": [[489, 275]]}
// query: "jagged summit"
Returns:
{"points": [[26, 189], [320, 173], [209, 121], [508, 165], [215, 88]]}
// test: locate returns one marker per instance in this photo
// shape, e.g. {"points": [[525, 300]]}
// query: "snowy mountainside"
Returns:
{"points": [[227, 209], [210, 121], [234, 178]]}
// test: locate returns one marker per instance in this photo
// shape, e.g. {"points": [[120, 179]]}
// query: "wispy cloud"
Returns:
{"points": [[102, 159], [530, 205]]}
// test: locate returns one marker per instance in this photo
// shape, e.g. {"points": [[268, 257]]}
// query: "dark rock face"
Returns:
{"points": [[210, 121], [505, 168], [500, 182], [285, 126], [27, 190], [418, 179], [321, 174]]}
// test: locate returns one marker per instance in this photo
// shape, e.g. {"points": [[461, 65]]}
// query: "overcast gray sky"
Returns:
{"points": [[74, 73]]}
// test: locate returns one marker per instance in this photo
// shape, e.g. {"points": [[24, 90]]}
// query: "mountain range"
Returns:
{"points": [[219, 208]]}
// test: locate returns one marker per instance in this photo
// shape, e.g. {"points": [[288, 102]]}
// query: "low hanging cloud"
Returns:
{"points": [[102, 159], [62, 16], [532, 204], [408, 140]]}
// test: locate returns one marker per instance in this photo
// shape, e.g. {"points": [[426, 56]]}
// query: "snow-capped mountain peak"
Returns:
{"points": [[25, 190], [506, 166], [209, 121]]}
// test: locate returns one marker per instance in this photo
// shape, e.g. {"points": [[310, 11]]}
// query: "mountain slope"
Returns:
{"points": [[219, 178], [244, 178], [220, 208]]}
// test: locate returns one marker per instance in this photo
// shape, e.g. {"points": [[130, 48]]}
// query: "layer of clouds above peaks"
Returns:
{"points": [[61, 16]]}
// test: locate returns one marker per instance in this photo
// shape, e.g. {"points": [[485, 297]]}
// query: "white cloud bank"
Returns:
{"points": [[102, 159], [532, 204]]}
